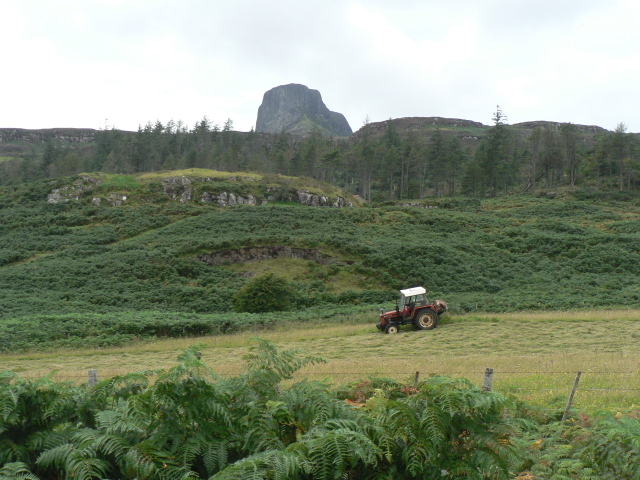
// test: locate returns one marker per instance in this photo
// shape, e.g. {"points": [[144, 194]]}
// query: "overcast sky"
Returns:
{"points": [[123, 63]]}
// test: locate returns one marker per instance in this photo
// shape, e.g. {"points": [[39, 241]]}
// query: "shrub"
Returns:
{"points": [[266, 293]]}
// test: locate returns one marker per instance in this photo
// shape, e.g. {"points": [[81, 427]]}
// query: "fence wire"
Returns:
{"points": [[549, 395], [103, 374]]}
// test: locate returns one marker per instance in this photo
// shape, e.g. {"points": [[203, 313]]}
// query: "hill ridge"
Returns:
{"points": [[225, 189], [86, 135]]}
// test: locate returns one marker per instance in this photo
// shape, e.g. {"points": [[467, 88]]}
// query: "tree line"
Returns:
{"points": [[379, 164]]}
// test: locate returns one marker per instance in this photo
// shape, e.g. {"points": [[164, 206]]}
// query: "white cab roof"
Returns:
{"points": [[413, 291]]}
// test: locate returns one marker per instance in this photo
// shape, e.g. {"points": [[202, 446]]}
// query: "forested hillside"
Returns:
{"points": [[408, 158]]}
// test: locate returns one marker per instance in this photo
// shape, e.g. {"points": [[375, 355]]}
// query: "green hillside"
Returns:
{"points": [[137, 252]]}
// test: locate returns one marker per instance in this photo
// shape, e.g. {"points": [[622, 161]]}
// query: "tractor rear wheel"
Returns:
{"points": [[391, 329], [427, 319]]}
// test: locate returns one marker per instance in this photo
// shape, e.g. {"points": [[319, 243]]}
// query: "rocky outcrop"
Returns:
{"points": [[186, 189], [74, 190], [113, 199], [80, 188], [299, 110], [182, 189], [226, 199], [558, 126], [178, 188], [63, 135], [314, 200], [415, 124]]}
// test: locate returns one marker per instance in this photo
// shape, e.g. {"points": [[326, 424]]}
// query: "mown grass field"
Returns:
{"points": [[535, 356]]}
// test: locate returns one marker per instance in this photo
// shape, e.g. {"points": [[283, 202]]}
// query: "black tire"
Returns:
{"points": [[391, 329], [427, 319]]}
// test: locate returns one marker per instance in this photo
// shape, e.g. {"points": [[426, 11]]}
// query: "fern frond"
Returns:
{"points": [[111, 445], [262, 432], [146, 461], [64, 401], [416, 457], [312, 404], [433, 425], [77, 463], [123, 418], [190, 449], [108, 391], [8, 402], [333, 452], [16, 471], [56, 457], [450, 402], [402, 422], [171, 472], [272, 464], [47, 439], [137, 464], [86, 468], [215, 456], [190, 366], [265, 356], [342, 424]]}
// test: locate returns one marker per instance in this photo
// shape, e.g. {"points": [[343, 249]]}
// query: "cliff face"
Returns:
{"points": [[299, 110], [20, 141]]}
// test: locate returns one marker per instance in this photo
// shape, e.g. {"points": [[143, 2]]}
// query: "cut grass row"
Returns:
{"points": [[535, 356]]}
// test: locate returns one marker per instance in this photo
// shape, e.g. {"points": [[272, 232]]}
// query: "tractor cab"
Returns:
{"points": [[411, 298], [412, 307]]}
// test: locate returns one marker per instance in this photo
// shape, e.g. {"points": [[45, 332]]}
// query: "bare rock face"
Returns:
{"points": [[299, 110], [226, 199], [178, 188], [206, 190], [74, 190]]}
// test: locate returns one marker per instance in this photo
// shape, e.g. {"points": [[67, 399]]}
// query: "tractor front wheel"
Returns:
{"points": [[426, 320], [391, 329]]}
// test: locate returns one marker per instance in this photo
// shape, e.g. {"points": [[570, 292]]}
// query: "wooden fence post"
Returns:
{"points": [[93, 378], [488, 379], [416, 380], [570, 401]]}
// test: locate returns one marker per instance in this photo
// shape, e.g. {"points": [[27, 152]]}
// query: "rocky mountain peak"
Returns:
{"points": [[299, 110]]}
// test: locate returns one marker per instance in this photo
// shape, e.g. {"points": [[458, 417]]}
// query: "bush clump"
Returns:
{"points": [[266, 293]]}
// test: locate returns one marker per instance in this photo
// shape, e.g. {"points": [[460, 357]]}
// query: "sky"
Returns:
{"points": [[124, 63]]}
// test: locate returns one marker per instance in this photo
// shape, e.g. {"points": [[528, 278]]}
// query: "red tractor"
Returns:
{"points": [[412, 307]]}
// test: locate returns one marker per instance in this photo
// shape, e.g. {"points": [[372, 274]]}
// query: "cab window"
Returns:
{"points": [[411, 301]]}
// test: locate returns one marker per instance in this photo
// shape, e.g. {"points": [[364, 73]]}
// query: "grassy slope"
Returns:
{"points": [[77, 274], [87, 267]]}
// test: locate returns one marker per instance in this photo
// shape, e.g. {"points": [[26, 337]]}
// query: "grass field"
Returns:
{"points": [[535, 356]]}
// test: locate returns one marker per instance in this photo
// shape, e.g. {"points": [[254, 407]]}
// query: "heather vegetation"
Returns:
{"points": [[143, 264]]}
